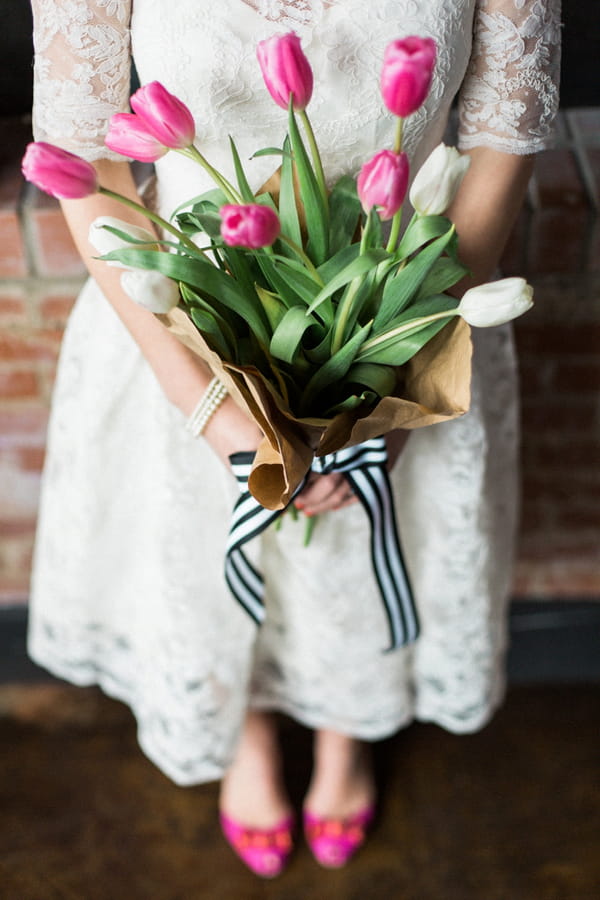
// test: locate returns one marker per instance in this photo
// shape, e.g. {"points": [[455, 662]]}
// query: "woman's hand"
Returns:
{"points": [[324, 493]]}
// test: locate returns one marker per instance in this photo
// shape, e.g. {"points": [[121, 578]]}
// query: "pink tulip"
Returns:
{"points": [[58, 172], [407, 72], [249, 225], [128, 135], [164, 115], [382, 183], [286, 70]]}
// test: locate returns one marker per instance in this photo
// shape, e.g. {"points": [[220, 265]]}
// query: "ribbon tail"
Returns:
{"points": [[371, 485]]}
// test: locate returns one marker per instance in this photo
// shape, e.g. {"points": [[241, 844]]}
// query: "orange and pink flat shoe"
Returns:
{"points": [[335, 841], [264, 850]]}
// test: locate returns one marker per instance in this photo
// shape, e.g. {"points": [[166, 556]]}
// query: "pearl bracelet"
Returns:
{"points": [[208, 404]]}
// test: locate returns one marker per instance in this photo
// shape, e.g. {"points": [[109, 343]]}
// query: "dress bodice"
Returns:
{"points": [[504, 53]]}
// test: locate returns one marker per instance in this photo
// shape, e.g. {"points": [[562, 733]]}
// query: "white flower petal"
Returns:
{"points": [[152, 290], [104, 241], [496, 303]]}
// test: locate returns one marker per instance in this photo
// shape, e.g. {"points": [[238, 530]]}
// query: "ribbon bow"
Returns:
{"points": [[364, 467]]}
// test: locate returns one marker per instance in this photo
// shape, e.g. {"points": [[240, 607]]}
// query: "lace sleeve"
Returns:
{"points": [[510, 93], [81, 72]]}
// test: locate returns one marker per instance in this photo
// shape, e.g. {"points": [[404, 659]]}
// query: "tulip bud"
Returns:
{"points": [[437, 181], [407, 72], [164, 116], [105, 241], [58, 172], [286, 70], [382, 183], [496, 303], [249, 225], [128, 136], [150, 289]]}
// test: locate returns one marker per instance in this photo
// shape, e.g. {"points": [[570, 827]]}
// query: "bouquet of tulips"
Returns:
{"points": [[328, 327]]}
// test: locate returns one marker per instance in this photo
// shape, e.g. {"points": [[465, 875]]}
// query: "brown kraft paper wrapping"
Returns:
{"points": [[436, 388]]}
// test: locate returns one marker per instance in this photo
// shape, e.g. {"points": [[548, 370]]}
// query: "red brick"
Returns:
{"points": [[24, 426], [557, 240], [539, 375], [33, 345], [557, 181], [14, 591], [18, 384], [55, 308], [580, 452], [553, 415], [53, 248], [513, 261], [553, 339], [12, 255], [31, 459], [557, 578], [13, 309], [16, 528], [557, 488]]}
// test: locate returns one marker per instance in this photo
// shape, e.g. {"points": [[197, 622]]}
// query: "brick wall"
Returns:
{"points": [[556, 244]]}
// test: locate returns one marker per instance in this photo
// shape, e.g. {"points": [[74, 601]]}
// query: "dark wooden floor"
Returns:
{"points": [[511, 813]]}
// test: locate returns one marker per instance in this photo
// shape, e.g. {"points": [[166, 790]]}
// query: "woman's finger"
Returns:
{"points": [[322, 497]]}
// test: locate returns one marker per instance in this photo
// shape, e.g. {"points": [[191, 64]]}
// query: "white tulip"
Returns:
{"points": [[150, 289], [105, 242], [496, 302], [437, 181]]}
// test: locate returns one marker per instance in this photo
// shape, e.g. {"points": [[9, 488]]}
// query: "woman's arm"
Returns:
{"points": [[182, 376], [485, 209]]}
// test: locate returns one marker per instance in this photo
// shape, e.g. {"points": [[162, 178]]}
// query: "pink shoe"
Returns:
{"points": [[264, 850], [334, 841]]}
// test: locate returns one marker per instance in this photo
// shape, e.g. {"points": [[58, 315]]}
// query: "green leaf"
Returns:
{"points": [[344, 212], [316, 217], [378, 378], [421, 230], [206, 278], [444, 273], [399, 349], [206, 324], [401, 288], [245, 189], [273, 306], [272, 151], [359, 266], [288, 213], [293, 288], [333, 370], [215, 197], [207, 222], [288, 334], [426, 306], [330, 268]]}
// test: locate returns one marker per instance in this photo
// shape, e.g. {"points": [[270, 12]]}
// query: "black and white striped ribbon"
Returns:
{"points": [[364, 467]]}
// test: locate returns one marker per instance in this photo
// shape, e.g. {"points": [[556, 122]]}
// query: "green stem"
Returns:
{"points": [[302, 255], [394, 231], [397, 220], [228, 189], [152, 216], [399, 135], [406, 326], [309, 527], [316, 158], [346, 301]]}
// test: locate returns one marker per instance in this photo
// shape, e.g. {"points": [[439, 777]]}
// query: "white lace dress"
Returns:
{"points": [[128, 589]]}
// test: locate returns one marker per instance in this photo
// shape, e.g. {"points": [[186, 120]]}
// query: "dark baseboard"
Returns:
{"points": [[552, 641]]}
